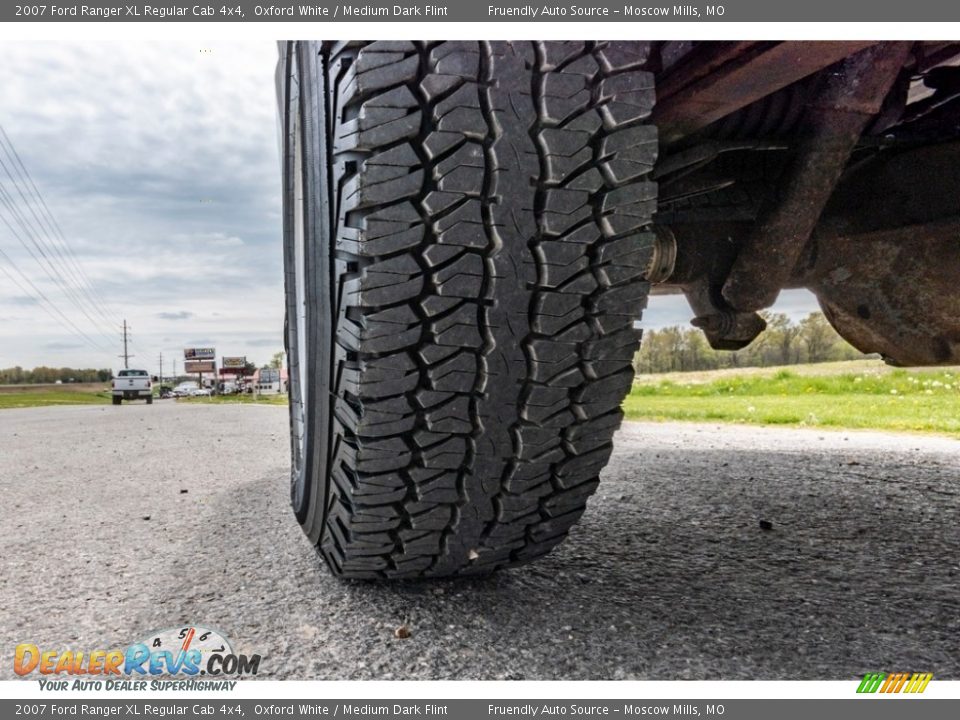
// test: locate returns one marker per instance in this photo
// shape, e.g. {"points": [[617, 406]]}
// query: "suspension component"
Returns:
{"points": [[846, 101], [883, 261]]}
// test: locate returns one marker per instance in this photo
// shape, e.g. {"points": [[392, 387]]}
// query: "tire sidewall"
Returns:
{"points": [[291, 119], [300, 91]]}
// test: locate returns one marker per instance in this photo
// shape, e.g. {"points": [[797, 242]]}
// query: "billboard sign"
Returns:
{"points": [[269, 375], [233, 363], [199, 353], [199, 366]]}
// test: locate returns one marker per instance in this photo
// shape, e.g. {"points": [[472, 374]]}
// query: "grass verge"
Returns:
{"points": [[237, 400], [42, 398], [870, 398], [24, 396]]}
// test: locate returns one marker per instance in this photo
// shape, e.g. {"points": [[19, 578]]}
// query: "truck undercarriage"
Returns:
{"points": [[830, 166]]}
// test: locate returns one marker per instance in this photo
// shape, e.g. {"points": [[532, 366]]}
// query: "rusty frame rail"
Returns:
{"points": [[728, 76]]}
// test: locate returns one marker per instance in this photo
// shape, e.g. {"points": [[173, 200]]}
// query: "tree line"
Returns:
{"points": [[19, 376], [784, 342]]}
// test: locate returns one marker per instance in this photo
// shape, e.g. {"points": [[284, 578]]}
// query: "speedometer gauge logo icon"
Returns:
{"points": [[183, 639]]}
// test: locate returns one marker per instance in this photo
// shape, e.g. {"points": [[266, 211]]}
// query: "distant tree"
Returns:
{"points": [[819, 337], [784, 342], [782, 335], [700, 356], [277, 360], [45, 375]]}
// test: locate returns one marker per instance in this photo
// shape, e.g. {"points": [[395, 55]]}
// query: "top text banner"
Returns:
{"points": [[894, 11]]}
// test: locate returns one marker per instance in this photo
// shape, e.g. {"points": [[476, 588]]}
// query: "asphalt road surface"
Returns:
{"points": [[122, 520]]}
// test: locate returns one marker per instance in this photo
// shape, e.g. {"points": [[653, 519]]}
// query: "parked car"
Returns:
{"points": [[132, 385], [184, 389], [201, 392]]}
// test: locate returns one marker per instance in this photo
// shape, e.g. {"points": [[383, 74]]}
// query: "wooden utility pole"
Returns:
{"points": [[126, 355]]}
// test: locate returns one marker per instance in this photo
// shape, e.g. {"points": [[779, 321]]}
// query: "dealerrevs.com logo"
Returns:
{"points": [[185, 652]]}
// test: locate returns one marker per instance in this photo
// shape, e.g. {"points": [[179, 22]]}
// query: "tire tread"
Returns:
{"points": [[489, 207]]}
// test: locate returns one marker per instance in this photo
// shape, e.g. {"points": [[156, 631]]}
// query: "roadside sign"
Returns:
{"points": [[233, 363], [199, 353], [269, 375], [199, 366]]}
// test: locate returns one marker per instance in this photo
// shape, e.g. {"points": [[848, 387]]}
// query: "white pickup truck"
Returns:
{"points": [[132, 385]]}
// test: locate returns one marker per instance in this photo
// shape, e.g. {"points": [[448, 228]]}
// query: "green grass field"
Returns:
{"points": [[41, 399], [23, 396], [870, 396], [20, 396]]}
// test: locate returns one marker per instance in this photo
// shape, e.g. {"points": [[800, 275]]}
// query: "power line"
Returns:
{"points": [[38, 295], [70, 257], [52, 271], [139, 349], [52, 274], [63, 319], [52, 253], [36, 238]]}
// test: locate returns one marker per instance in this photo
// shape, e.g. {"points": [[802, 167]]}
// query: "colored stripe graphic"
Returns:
{"points": [[891, 682], [913, 683], [919, 682], [870, 682]]}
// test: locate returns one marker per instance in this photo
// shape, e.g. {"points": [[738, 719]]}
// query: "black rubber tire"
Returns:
{"points": [[150, 401], [475, 229], [116, 400]]}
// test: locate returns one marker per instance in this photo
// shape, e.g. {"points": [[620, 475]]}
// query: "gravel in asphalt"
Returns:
{"points": [[709, 552]]}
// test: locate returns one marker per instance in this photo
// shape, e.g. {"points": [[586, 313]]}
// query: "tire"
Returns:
{"points": [[149, 401], [116, 400], [466, 240]]}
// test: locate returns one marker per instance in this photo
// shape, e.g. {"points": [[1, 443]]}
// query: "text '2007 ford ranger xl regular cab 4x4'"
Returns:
{"points": [[132, 385]]}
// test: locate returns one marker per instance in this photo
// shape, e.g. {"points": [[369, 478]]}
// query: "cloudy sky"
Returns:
{"points": [[160, 164]]}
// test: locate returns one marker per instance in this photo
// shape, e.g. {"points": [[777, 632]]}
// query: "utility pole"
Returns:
{"points": [[161, 369], [126, 355]]}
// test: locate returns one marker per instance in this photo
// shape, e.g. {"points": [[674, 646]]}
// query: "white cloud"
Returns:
{"points": [[180, 315]]}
